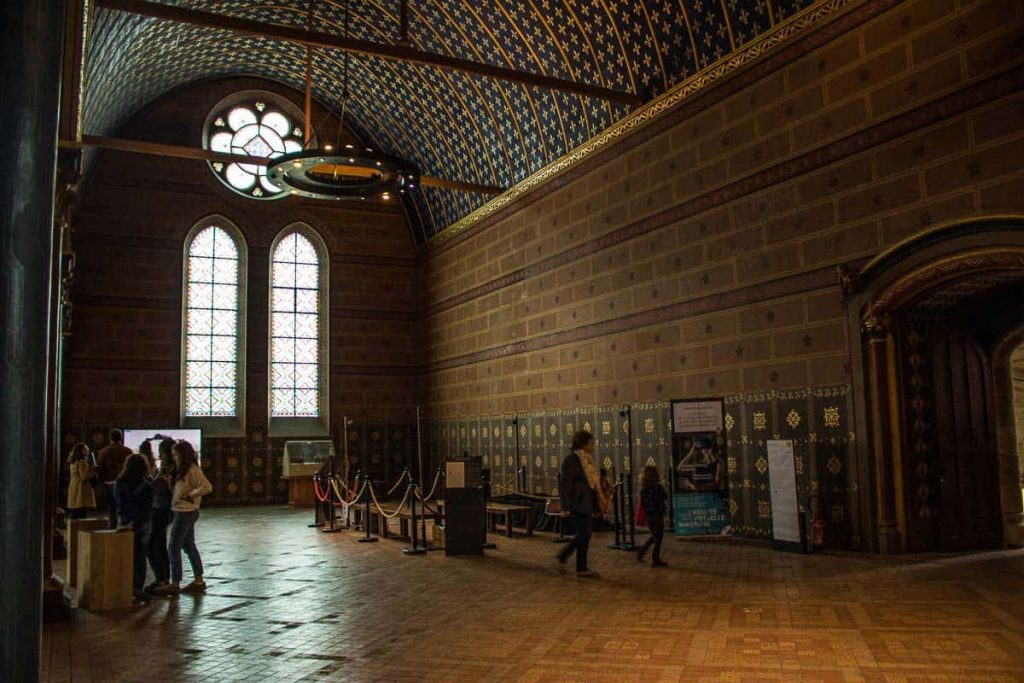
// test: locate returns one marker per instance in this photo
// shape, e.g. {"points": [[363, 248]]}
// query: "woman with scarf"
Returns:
{"points": [[581, 496]]}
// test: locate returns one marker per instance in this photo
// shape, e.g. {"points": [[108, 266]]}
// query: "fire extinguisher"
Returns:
{"points": [[816, 531]]}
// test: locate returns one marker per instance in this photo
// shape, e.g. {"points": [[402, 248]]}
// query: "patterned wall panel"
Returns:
{"points": [[454, 125], [818, 421]]}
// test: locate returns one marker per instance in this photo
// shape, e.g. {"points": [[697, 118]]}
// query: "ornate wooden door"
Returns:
{"points": [[966, 441]]}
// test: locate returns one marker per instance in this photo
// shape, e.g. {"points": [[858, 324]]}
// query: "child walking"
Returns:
{"points": [[654, 501]]}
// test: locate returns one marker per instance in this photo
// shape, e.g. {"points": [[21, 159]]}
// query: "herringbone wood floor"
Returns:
{"points": [[287, 603]]}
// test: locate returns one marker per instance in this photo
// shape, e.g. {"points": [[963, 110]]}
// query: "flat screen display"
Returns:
{"points": [[133, 438]]}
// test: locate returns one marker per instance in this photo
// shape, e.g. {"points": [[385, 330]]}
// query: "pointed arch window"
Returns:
{"points": [[213, 327], [298, 332]]}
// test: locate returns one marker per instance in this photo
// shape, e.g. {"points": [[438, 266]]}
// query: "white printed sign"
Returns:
{"points": [[782, 475], [696, 416]]}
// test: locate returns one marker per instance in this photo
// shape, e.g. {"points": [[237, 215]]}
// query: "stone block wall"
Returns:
{"points": [[698, 255]]}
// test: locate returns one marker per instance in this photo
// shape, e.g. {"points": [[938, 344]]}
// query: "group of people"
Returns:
{"points": [[147, 495], [583, 495]]}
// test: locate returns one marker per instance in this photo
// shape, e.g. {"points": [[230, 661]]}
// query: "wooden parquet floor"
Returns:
{"points": [[287, 603]]}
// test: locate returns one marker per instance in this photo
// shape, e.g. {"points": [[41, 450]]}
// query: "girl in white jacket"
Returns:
{"points": [[188, 486]]}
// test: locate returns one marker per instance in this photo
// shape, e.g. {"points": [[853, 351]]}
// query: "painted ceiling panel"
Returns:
{"points": [[455, 125]]}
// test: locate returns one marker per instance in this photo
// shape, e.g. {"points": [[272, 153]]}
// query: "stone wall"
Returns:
{"points": [[698, 255], [123, 363]]}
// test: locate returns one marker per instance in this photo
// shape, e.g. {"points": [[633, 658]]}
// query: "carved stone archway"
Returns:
{"points": [[878, 297]]}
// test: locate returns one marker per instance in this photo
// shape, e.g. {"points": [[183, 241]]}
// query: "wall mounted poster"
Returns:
{"points": [[700, 491]]}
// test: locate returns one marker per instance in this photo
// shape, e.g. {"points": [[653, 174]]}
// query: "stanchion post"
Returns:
{"points": [[631, 520], [617, 510], [366, 514], [413, 550], [316, 503], [560, 520], [423, 521], [672, 495], [488, 545], [331, 529]]}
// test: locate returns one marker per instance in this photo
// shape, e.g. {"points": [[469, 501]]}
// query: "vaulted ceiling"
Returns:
{"points": [[456, 125]]}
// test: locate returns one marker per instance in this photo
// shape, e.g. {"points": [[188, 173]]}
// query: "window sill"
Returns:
{"points": [[213, 427], [298, 427]]}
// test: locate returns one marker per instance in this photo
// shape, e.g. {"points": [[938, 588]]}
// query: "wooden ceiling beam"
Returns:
{"points": [[180, 152], [329, 40]]}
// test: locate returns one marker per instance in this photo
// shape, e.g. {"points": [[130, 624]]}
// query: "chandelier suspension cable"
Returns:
{"points": [[344, 87], [355, 172], [344, 95], [307, 126]]}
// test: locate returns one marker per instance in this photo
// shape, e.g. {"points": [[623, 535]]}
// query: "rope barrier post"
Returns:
{"points": [[486, 490], [630, 521], [366, 513], [414, 550], [631, 518], [423, 517], [316, 504], [672, 497], [617, 512], [331, 528], [560, 519]]}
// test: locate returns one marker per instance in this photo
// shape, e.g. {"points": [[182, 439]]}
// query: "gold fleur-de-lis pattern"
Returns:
{"points": [[506, 132]]}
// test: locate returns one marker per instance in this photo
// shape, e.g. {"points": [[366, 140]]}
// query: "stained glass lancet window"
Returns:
{"points": [[212, 323], [296, 302]]}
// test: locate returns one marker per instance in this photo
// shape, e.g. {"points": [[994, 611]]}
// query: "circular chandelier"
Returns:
{"points": [[348, 173], [345, 171]]}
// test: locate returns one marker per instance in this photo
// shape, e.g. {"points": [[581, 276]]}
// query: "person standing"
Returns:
{"points": [[134, 495], [159, 560], [80, 494], [581, 494], [189, 485], [654, 501], [108, 466]]}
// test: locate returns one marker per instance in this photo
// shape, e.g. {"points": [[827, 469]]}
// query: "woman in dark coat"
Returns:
{"points": [[134, 495], [581, 495]]}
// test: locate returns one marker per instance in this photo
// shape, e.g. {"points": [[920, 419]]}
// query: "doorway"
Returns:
{"points": [[934, 317]]}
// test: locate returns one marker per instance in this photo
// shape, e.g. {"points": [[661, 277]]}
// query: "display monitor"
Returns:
{"points": [[133, 438]]}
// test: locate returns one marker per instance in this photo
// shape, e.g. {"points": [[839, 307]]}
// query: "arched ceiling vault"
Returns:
{"points": [[456, 125]]}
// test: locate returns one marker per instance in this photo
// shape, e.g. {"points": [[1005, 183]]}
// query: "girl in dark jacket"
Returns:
{"points": [[654, 501], [158, 557], [134, 495]]}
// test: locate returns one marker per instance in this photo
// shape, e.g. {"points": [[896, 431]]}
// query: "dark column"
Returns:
{"points": [[30, 69], [879, 339]]}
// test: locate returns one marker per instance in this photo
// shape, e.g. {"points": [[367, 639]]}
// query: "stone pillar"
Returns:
{"points": [[30, 69], [879, 340]]}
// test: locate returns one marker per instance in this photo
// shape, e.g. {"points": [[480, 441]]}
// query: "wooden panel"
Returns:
{"points": [[105, 569], [966, 442], [75, 526]]}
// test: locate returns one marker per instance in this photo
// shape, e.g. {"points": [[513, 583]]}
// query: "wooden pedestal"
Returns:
{"points": [[105, 569], [74, 526], [300, 491]]}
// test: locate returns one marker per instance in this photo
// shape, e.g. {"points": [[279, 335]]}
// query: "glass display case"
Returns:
{"points": [[305, 458]]}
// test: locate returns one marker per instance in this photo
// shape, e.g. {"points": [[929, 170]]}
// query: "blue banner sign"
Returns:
{"points": [[700, 513]]}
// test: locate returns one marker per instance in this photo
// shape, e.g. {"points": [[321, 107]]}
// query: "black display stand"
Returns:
{"points": [[464, 508]]}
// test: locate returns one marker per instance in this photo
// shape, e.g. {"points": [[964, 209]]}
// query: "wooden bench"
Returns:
{"points": [[493, 509], [404, 517]]}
